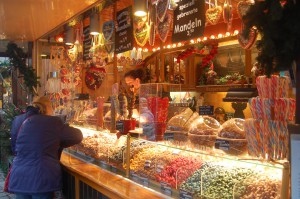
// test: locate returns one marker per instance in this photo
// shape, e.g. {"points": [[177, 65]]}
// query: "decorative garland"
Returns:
{"points": [[18, 60], [278, 23], [199, 50]]}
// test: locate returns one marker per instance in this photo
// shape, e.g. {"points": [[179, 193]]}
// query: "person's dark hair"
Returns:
{"points": [[136, 73]]}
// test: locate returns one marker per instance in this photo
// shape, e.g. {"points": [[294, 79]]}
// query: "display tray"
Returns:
{"points": [[107, 165]]}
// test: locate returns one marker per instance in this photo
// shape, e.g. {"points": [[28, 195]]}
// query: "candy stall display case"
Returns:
{"points": [[182, 172], [192, 173]]}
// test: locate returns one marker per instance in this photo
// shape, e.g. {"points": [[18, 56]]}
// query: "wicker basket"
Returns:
{"points": [[202, 140], [236, 146]]}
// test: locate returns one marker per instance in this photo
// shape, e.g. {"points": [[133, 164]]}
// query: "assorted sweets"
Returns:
{"points": [[233, 133], [203, 131], [200, 174]]}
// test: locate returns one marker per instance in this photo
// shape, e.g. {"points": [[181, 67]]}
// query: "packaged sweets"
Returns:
{"points": [[176, 123]]}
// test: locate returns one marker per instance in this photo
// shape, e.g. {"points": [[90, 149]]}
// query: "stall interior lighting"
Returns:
{"points": [[95, 24], [69, 36], [140, 8]]}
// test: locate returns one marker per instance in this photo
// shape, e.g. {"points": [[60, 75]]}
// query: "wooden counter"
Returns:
{"points": [[107, 183]]}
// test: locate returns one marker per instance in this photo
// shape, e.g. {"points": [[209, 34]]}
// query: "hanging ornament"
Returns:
{"points": [[227, 13], [108, 30], [242, 8], [213, 14], [161, 9], [163, 27], [248, 41], [94, 77], [141, 30], [57, 56], [152, 21]]}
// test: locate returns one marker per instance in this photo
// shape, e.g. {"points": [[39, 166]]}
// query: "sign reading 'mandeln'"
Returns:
{"points": [[189, 20]]}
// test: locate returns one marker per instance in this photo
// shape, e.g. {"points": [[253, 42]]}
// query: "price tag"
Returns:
{"points": [[144, 181], [206, 110], [120, 126], [114, 169], [168, 136], [104, 165], [159, 168], [222, 144], [147, 164], [166, 189], [185, 195], [134, 177]]}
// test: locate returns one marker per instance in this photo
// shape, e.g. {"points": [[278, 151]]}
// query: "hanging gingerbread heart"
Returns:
{"points": [[94, 77], [141, 30], [163, 27], [248, 41], [108, 29], [242, 8], [161, 9], [213, 14]]}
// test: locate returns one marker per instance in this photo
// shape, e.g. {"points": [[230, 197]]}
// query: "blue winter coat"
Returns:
{"points": [[36, 167]]}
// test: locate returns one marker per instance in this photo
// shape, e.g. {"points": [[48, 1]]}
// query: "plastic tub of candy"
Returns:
{"points": [[233, 129], [202, 140]]}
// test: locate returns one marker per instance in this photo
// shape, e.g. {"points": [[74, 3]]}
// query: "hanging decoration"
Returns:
{"points": [[242, 8], [94, 77], [141, 30], [161, 9], [227, 13], [213, 13], [18, 59], [57, 56], [108, 30], [163, 27], [212, 53], [152, 21], [199, 49], [246, 42]]}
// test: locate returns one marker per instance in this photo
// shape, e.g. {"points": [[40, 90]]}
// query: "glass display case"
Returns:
{"points": [[183, 172]]}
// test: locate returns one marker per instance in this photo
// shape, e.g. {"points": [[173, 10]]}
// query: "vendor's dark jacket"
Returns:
{"points": [[36, 167]]}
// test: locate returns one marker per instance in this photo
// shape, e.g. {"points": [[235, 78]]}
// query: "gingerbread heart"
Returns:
{"points": [[242, 8], [163, 27], [213, 15], [161, 9], [108, 29], [247, 42], [141, 35]]}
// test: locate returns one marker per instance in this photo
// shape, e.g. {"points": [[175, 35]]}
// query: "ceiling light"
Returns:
{"points": [[140, 8], [94, 24], [69, 36]]}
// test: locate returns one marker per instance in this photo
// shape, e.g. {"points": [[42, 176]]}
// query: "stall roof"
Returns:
{"points": [[28, 20]]}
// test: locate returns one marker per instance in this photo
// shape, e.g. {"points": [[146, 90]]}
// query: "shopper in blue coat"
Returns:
{"points": [[37, 144]]}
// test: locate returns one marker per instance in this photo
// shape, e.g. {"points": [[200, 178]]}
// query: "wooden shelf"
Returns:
{"points": [[220, 88]]}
